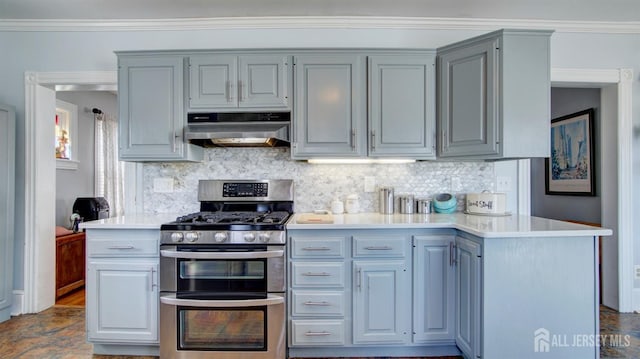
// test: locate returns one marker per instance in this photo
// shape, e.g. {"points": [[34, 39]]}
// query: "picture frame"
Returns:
{"points": [[570, 171]]}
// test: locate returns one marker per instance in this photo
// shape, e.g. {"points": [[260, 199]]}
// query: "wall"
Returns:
{"points": [[315, 184], [71, 184], [93, 51], [565, 101]]}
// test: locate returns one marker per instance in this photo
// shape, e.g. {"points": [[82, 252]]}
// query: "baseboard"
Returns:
{"points": [[17, 307]]}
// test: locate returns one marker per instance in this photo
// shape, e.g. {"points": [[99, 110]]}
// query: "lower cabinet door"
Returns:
{"points": [[468, 297], [433, 289], [122, 301], [381, 302]]}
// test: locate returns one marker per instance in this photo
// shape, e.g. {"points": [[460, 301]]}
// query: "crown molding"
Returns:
{"points": [[316, 22]]}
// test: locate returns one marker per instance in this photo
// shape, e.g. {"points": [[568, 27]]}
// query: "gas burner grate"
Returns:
{"points": [[234, 218]]}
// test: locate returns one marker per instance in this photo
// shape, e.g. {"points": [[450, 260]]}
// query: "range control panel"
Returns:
{"points": [[233, 189]]}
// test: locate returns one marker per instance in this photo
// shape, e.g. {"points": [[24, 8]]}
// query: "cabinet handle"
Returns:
{"points": [[316, 249], [353, 138], [378, 248], [317, 334], [229, 89], [373, 140], [321, 304], [358, 279], [452, 254], [121, 247], [316, 274], [444, 137], [239, 91], [152, 276]]}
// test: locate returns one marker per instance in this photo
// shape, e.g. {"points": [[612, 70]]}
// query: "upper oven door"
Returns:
{"points": [[217, 271]]}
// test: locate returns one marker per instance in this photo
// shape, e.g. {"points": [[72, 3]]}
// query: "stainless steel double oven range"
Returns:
{"points": [[223, 273]]}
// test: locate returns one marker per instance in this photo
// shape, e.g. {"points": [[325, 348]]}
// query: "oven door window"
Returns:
{"points": [[224, 277], [223, 329]]}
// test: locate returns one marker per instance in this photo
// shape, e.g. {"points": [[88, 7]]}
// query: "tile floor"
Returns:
{"points": [[59, 333]]}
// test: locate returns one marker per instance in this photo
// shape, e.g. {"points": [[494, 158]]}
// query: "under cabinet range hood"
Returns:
{"points": [[255, 129]]}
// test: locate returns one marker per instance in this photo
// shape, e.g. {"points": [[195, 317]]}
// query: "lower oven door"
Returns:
{"points": [[242, 329]]}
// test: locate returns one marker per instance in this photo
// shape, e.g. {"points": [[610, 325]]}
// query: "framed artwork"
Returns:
{"points": [[570, 170]]}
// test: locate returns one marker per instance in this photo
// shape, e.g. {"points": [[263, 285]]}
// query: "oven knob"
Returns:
{"points": [[220, 237], [191, 236], [176, 237], [264, 237], [249, 237]]}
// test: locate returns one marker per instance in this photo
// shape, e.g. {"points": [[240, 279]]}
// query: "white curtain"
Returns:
{"points": [[109, 175]]}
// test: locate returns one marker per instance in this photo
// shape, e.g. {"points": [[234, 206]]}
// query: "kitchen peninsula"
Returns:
{"points": [[401, 285]]}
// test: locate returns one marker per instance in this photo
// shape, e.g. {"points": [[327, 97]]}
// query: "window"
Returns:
{"points": [[66, 135]]}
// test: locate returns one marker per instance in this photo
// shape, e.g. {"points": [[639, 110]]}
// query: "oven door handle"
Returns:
{"points": [[170, 299], [222, 255]]}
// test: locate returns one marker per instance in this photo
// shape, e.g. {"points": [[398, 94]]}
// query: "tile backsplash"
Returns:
{"points": [[316, 185]]}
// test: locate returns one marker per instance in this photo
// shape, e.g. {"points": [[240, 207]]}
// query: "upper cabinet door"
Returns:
{"points": [[150, 99], [494, 96], [213, 81], [263, 81], [468, 88], [330, 106], [231, 82], [402, 106]]}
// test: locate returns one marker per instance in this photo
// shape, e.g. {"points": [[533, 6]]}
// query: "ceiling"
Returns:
{"points": [[573, 10]]}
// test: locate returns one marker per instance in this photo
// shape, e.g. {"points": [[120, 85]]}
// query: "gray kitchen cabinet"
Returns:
{"points": [[468, 298], [236, 82], [433, 288], [128, 297], [122, 291], [7, 208], [330, 106], [381, 306], [151, 111], [381, 281], [494, 96], [317, 300], [402, 105]]}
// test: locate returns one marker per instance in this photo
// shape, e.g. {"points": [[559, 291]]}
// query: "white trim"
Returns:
{"points": [[62, 164], [30, 207], [34, 206], [623, 78], [625, 191], [524, 187], [317, 22], [17, 306]]}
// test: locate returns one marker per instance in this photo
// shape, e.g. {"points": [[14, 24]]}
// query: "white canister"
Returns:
{"points": [[352, 204], [337, 207], [486, 203]]}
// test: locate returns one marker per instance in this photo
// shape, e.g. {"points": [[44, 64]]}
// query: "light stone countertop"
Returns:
{"points": [[132, 221], [481, 226]]}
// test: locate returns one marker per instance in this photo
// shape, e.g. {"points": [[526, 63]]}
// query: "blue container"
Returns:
{"points": [[445, 203]]}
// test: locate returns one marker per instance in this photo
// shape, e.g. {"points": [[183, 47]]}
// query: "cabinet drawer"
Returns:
{"points": [[99, 247], [314, 303], [317, 332], [317, 274], [379, 247], [331, 247]]}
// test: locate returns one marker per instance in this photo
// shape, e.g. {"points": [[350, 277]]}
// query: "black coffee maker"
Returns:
{"points": [[91, 208]]}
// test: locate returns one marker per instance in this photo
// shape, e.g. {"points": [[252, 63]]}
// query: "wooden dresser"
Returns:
{"points": [[70, 263]]}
